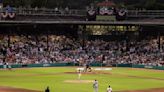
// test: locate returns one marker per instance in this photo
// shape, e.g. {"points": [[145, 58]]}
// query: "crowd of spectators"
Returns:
{"points": [[62, 49]]}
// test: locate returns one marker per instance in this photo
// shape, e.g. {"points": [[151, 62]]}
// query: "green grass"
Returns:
{"points": [[119, 79]]}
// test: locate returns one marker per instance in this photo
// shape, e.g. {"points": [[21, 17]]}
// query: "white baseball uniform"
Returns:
{"points": [[109, 89]]}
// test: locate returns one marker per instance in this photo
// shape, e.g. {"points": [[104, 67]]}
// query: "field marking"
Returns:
{"points": [[103, 69], [82, 69]]}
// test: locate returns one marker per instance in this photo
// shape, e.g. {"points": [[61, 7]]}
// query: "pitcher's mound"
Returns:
{"points": [[78, 81]]}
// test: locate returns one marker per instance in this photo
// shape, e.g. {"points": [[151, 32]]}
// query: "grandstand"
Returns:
{"points": [[82, 25]]}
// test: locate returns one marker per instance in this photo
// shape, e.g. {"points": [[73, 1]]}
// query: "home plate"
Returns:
{"points": [[102, 68], [78, 81]]}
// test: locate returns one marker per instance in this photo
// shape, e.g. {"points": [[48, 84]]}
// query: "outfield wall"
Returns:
{"points": [[39, 65], [93, 64]]}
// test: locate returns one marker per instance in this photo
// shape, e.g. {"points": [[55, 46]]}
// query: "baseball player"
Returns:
{"points": [[87, 68], [95, 86], [47, 89], [8, 65], [109, 89], [79, 74], [4, 65]]}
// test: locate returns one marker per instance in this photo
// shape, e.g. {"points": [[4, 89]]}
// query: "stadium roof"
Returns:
{"points": [[84, 22]]}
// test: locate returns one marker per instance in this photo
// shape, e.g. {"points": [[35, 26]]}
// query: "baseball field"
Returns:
{"points": [[65, 79]]}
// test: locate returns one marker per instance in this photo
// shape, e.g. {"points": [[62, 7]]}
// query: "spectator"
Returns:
{"points": [[9, 9], [47, 89]]}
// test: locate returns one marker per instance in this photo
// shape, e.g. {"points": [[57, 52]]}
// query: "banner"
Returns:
{"points": [[91, 15], [105, 11]]}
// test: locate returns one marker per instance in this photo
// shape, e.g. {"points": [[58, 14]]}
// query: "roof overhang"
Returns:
{"points": [[81, 23]]}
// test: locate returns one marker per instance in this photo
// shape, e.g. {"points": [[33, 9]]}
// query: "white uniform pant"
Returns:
{"points": [[95, 89]]}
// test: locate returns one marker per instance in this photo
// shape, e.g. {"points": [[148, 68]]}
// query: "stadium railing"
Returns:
{"points": [[145, 13], [62, 12]]}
